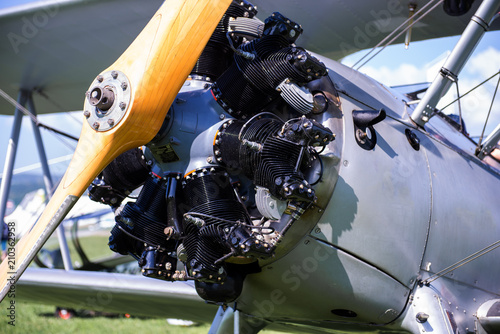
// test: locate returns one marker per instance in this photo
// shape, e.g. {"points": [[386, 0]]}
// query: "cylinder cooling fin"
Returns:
{"points": [[272, 152], [120, 178], [217, 225], [147, 214], [252, 83], [218, 54], [141, 227]]}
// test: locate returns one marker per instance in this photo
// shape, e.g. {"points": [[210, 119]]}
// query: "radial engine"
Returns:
{"points": [[235, 164]]}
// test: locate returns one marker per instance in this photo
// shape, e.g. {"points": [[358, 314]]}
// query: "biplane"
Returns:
{"points": [[280, 188]]}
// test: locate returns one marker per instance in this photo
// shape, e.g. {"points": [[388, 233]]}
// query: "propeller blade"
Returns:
{"points": [[125, 108]]}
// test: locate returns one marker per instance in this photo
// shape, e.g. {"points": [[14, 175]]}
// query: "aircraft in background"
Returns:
{"points": [[296, 193]]}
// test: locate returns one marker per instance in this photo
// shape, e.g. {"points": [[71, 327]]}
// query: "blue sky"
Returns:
{"points": [[10, 3], [57, 148], [393, 66]]}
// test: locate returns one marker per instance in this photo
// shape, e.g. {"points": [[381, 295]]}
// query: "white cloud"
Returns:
{"points": [[485, 63], [402, 75]]}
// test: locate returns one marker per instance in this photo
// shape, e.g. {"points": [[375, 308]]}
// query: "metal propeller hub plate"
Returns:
{"points": [[107, 100]]}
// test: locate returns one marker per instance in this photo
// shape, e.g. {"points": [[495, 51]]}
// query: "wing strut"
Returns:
{"points": [[25, 97], [49, 185], [10, 156], [476, 28]]}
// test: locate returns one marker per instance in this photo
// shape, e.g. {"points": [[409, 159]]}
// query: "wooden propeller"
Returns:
{"points": [[155, 65]]}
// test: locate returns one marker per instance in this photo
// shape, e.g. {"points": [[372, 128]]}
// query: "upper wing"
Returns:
{"points": [[118, 293], [337, 28], [58, 47]]}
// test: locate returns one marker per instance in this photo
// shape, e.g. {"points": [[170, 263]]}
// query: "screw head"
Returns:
{"points": [[124, 85], [86, 113], [100, 78], [122, 105], [114, 74], [96, 125], [111, 122]]}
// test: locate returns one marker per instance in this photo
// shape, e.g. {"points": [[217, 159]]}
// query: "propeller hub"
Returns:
{"points": [[107, 100], [103, 99]]}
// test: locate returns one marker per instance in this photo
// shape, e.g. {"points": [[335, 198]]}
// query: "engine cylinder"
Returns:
{"points": [[212, 209], [124, 174], [143, 221], [218, 55], [250, 83]]}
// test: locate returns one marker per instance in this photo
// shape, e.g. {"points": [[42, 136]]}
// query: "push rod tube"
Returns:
{"points": [[471, 36]]}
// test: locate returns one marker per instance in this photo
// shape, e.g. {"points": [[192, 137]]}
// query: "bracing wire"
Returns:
{"points": [[463, 262], [470, 91], [410, 25], [488, 115], [33, 117]]}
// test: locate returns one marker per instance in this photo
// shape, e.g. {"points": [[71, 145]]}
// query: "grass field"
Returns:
{"points": [[35, 318], [40, 319], [95, 247]]}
